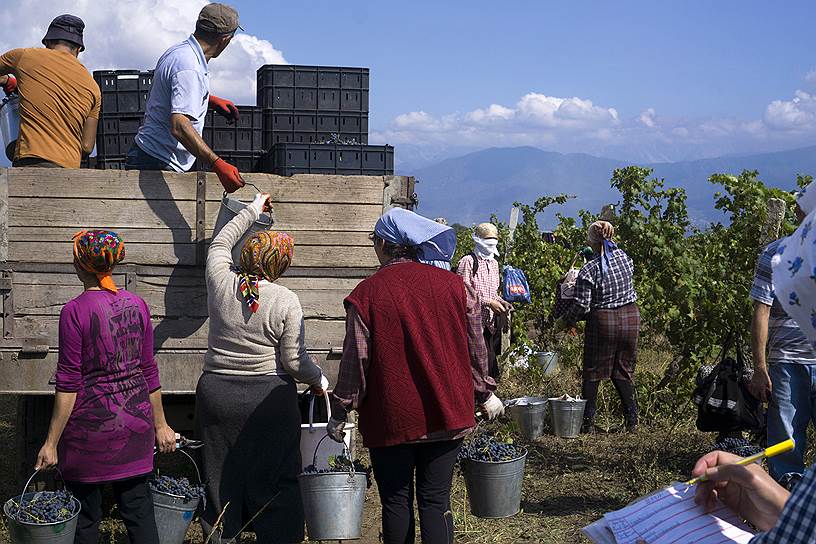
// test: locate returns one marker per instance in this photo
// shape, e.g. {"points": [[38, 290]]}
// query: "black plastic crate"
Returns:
{"points": [[124, 91], [110, 163], [247, 162], [246, 135], [115, 134], [287, 159], [297, 87], [308, 127]]}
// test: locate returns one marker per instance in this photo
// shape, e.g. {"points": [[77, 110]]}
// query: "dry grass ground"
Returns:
{"points": [[568, 483]]}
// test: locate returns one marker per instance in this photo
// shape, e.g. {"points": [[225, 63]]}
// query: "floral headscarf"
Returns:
{"points": [[265, 255], [97, 252]]}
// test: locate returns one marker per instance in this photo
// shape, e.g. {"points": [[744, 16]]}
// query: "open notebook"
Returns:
{"points": [[669, 516]]}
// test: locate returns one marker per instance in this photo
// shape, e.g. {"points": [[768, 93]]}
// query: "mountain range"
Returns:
{"points": [[469, 188]]}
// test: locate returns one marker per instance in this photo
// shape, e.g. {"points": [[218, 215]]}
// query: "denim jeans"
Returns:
{"points": [[792, 406], [139, 160]]}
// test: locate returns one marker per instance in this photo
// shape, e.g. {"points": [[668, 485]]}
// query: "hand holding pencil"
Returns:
{"points": [[742, 485]]}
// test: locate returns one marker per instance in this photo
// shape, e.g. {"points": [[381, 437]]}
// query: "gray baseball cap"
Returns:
{"points": [[218, 18]]}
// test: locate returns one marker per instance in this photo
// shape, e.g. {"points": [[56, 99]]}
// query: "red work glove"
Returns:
{"points": [[228, 175], [225, 108], [11, 85]]}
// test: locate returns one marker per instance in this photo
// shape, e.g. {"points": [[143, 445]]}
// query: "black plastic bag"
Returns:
{"points": [[724, 403]]}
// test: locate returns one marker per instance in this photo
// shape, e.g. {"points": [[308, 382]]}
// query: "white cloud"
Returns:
{"points": [[578, 125], [798, 113], [648, 118], [132, 34]]}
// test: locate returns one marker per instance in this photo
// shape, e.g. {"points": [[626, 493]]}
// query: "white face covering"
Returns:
{"points": [[485, 248]]}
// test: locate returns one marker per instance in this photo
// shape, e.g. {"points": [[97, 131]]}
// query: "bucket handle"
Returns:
{"points": [[195, 466], [346, 452], [37, 471], [311, 409], [249, 183]]}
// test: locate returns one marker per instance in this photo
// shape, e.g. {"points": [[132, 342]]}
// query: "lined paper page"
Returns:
{"points": [[671, 516]]}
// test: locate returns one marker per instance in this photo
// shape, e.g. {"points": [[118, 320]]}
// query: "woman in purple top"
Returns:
{"points": [[108, 411]]}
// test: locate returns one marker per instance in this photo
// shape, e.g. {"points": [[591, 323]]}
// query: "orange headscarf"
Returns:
{"points": [[97, 252]]}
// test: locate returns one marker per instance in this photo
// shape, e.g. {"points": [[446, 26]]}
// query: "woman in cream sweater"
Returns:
{"points": [[246, 399]]}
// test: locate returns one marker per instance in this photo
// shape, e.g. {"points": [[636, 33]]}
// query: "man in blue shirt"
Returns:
{"points": [[170, 138], [785, 376]]}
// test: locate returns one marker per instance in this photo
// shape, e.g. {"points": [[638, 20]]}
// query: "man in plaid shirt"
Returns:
{"points": [[784, 517]]}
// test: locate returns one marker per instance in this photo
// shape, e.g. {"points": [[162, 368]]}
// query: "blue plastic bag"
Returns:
{"points": [[515, 287]]}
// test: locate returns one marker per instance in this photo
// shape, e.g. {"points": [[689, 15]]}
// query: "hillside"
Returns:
{"points": [[469, 188]]}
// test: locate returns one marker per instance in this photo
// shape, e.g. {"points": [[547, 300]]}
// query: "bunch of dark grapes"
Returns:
{"points": [[45, 507], [485, 447], [341, 463], [737, 446], [179, 487]]}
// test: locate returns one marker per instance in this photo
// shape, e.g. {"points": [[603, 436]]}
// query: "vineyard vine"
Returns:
{"points": [[692, 282]]}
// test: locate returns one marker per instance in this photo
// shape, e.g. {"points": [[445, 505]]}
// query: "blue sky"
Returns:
{"points": [[634, 80], [684, 58]]}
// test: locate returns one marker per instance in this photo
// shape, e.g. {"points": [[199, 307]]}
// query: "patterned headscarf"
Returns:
{"points": [[97, 252], [265, 255]]}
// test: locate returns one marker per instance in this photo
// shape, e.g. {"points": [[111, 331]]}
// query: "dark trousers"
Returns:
{"points": [[135, 507], [626, 392], [34, 162], [139, 160], [394, 468], [493, 344]]}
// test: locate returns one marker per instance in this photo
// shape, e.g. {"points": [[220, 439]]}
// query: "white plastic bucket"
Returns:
{"points": [[227, 212], [311, 433]]}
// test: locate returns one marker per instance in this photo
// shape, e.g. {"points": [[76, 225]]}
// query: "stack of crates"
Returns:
{"points": [[124, 99], [315, 120], [308, 119]]}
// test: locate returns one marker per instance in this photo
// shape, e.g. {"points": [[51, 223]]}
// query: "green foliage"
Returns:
{"points": [[692, 283]]}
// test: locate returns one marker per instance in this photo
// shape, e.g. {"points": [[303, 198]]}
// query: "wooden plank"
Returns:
{"points": [[165, 235], [178, 372], [324, 217], [90, 213], [321, 334], [185, 254], [102, 184], [176, 302], [102, 213], [128, 185], [4, 227], [304, 188]]}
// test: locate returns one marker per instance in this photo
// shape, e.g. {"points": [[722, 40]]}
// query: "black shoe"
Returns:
{"points": [[588, 427]]}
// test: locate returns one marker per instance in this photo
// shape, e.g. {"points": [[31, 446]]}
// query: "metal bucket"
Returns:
{"points": [[60, 532], [494, 489], [228, 210], [548, 360], [529, 415], [567, 417], [313, 449], [333, 503], [174, 513], [10, 124]]}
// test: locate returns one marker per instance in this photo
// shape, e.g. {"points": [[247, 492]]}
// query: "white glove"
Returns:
{"points": [[335, 429], [493, 407], [323, 386], [259, 202]]}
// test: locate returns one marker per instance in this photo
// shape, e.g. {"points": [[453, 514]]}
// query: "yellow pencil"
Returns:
{"points": [[782, 447]]}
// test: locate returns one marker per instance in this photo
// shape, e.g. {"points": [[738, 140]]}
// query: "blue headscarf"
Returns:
{"points": [[595, 236], [435, 243]]}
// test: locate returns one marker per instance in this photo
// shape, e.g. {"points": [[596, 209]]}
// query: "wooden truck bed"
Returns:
{"points": [[166, 220]]}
